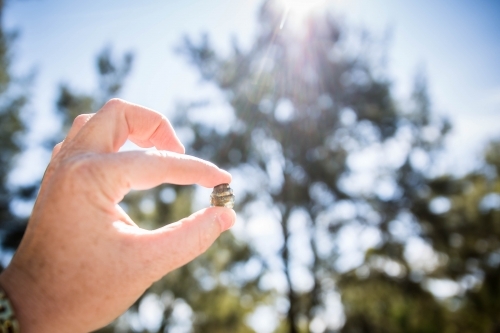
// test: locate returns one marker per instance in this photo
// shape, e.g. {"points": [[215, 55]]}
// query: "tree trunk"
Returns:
{"points": [[285, 255]]}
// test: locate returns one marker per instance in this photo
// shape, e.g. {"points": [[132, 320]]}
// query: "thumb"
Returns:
{"points": [[176, 244]]}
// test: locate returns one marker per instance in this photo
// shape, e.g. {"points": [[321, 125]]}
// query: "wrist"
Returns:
{"points": [[23, 301], [8, 320]]}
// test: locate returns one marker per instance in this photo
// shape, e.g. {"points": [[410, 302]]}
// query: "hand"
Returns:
{"points": [[83, 261]]}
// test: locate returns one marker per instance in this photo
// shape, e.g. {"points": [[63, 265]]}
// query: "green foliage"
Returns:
{"points": [[467, 235], [14, 92], [305, 109], [111, 76], [382, 304]]}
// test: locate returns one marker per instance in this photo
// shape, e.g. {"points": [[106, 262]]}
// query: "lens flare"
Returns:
{"points": [[298, 10]]}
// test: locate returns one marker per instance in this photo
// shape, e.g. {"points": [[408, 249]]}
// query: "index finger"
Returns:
{"points": [[118, 121], [142, 170]]}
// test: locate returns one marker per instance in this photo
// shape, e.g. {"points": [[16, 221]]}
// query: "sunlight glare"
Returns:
{"points": [[301, 9]]}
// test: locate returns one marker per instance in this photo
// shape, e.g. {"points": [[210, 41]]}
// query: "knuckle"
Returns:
{"points": [[81, 120], [85, 176], [82, 168], [57, 147], [81, 172], [114, 104], [91, 173]]}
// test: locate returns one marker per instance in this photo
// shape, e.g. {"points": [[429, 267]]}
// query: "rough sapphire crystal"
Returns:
{"points": [[222, 196]]}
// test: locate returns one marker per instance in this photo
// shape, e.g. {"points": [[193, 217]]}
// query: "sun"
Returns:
{"points": [[298, 10], [306, 6]]}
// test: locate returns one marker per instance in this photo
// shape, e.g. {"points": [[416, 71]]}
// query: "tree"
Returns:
{"points": [[306, 107], [14, 95], [111, 76], [462, 220]]}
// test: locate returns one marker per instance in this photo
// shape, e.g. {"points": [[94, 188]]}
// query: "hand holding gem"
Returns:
{"points": [[83, 261]]}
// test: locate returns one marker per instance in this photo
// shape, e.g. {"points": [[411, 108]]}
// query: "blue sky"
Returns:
{"points": [[457, 42]]}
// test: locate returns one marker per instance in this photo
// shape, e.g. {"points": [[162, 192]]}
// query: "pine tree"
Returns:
{"points": [[305, 109], [14, 95]]}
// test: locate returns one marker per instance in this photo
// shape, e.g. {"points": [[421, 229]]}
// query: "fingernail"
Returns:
{"points": [[226, 221]]}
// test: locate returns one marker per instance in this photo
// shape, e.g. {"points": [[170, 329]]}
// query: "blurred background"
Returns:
{"points": [[363, 137]]}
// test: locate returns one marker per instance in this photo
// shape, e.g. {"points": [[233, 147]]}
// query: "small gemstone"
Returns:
{"points": [[222, 196]]}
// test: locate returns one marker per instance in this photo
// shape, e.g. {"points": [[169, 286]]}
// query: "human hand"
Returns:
{"points": [[83, 261]]}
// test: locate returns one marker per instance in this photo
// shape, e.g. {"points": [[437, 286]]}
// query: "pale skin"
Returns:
{"points": [[83, 261]]}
